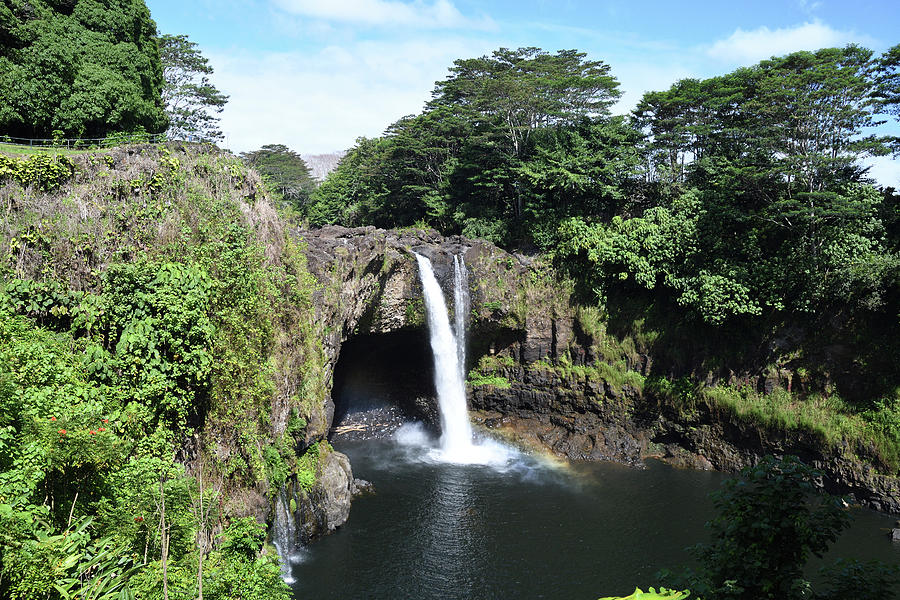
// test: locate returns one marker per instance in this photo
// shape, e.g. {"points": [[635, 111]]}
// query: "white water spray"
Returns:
{"points": [[456, 436], [460, 310], [284, 535], [456, 441]]}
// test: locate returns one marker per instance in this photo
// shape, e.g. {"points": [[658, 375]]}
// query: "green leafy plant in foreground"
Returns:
{"points": [[44, 171], [772, 519], [652, 594], [478, 379]]}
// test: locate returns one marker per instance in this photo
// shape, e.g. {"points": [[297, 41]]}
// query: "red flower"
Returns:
{"points": [[138, 519], [101, 429], [93, 432], [52, 418], [62, 432], [106, 420]]}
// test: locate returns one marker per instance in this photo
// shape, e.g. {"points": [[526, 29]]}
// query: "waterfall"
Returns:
{"points": [[449, 380], [284, 535], [460, 310]]}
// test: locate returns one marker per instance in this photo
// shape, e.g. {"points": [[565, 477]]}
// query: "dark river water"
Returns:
{"points": [[523, 528]]}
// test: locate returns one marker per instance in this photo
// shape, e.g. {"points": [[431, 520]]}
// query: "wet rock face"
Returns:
{"points": [[369, 286], [584, 420], [327, 506], [575, 418]]}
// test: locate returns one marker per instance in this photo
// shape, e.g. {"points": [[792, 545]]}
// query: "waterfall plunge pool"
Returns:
{"points": [[462, 517], [521, 529]]}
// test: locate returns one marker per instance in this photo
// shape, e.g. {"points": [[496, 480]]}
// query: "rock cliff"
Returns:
{"points": [[549, 386]]}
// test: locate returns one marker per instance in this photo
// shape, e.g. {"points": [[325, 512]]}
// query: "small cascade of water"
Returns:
{"points": [[284, 535], [460, 310], [456, 436]]}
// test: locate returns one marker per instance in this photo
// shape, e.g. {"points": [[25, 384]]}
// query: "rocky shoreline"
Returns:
{"points": [[572, 420]]}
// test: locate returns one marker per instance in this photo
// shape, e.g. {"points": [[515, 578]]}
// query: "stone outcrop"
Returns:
{"points": [[582, 419], [327, 506], [368, 285]]}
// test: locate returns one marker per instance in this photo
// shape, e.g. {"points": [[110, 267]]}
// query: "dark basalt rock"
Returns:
{"points": [[327, 506], [361, 487]]}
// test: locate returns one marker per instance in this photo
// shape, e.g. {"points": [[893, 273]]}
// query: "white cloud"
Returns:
{"points": [[440, 14], [747, 47], [809, 6], [322, 102], [885, 170], [637, 78]]}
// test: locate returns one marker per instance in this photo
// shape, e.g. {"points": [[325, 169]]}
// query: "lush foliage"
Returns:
{"points": [[44, 171], [191, 101], [736, 196], [734, 214], [887, 93], [652, 594], [771, 520], [285, 172], [489, 157], [132, 335], [84, 69]]}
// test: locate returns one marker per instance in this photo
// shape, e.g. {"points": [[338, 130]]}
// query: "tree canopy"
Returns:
{"points": [[732, 201], [772, 518], [285, 172], [887, 93], [473, 161], [84, 68], [191, 101]]}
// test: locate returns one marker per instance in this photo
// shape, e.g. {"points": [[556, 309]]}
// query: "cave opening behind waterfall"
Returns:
{"points": [[381, 381]]}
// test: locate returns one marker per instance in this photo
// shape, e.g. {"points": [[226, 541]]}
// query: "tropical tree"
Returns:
{"points": [[285, 171], [525, 89], [887, 93], [510, 94], [340, 198], [772, 518], [82, 69], [191, 101]]}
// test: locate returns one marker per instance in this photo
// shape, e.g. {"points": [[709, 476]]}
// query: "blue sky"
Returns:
{"points": [[316, 74]]}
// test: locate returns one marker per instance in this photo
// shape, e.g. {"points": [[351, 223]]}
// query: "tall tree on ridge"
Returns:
{"points": [[192, 102], [887, 91], [511, 93], [285, 171]]}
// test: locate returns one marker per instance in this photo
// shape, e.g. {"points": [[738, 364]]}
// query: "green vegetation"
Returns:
{"points": [[652, 594], [285, 172], [190, 99], [82, 69], [713, 193], [143, 313], [465, 164], [828, 420], [477, 379], [726, 230], [44, 171], [160, 355], [489, 371], [771, 520]]}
